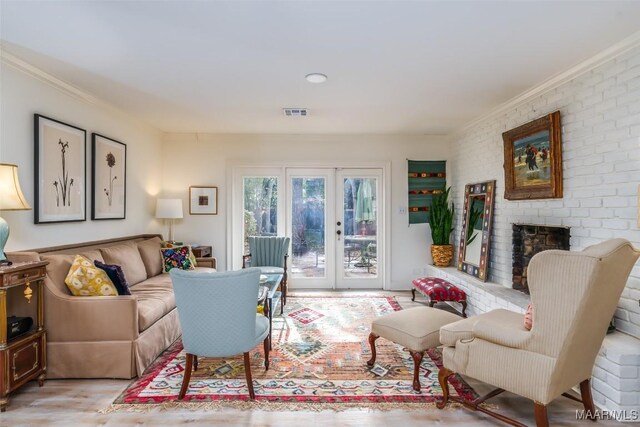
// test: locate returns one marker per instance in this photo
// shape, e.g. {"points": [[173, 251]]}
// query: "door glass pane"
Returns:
{"points": [[308, 227], [260, 207], [360, 227]]}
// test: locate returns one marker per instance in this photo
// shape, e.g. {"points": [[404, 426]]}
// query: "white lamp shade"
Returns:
{"points": [[169, 208], [11, 197]]}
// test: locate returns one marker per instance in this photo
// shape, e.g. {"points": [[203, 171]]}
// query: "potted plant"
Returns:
{"points": [[441, 223]]}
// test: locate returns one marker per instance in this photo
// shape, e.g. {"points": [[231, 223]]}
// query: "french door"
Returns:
{"points": [[333, 216]]}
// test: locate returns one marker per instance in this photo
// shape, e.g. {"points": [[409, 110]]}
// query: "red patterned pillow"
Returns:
{"points": [[528, 318]]}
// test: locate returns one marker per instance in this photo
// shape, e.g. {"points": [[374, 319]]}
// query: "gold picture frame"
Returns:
{"points": [[533, 159], [203, 200]]}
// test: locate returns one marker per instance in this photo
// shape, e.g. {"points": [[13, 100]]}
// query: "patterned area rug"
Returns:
{"points": [[319, 356]]}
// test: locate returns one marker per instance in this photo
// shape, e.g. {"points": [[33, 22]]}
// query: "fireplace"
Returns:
{"points": [[528, 240]]}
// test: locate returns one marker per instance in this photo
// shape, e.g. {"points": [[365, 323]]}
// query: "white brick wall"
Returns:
{"points": [[600, 115]]}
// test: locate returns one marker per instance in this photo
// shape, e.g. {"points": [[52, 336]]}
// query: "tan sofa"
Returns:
{"points": [[108, 337]]}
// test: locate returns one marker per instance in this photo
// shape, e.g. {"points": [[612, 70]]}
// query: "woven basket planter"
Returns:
{"points": [[442, 255]]}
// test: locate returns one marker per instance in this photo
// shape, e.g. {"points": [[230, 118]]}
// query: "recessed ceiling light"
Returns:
{"points": [[316, 78]]}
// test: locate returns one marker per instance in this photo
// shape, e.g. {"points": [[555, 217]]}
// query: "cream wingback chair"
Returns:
{"points": [[574, 296]]}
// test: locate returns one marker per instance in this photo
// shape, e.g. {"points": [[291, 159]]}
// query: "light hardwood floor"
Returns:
{"points": [[78, 402]]}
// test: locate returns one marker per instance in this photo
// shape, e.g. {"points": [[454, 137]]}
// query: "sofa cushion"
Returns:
{"points": [[59, 266], [150, 254], [155, 299], [87, 280], [128, 257], [116, 275], [177, 257]]}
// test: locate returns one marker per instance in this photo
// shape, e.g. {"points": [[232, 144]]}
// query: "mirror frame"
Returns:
{"points": [[488, 188]]}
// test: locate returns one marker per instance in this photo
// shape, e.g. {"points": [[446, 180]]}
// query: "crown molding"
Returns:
{"points": [[595, 61], [23, 66]]}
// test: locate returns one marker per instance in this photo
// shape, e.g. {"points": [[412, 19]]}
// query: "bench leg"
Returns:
{"points": [[413, 294], [417, 360], [372, 343], [464, 308]]}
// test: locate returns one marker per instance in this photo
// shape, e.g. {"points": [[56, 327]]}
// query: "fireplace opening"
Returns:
{"points": [[527, 240]]}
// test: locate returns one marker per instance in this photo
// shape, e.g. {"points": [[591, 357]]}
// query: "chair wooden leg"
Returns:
{"points": [[372, 343], [267, 344], [464, 308], [247, 372], [542, 419], [186, 376], [413, 294], [432, 303], [587, 400], [443, 379], [195, 362], [417, 360]]}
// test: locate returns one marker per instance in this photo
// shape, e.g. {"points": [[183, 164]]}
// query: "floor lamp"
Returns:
{"points": [[169, 209], [11, 199]]}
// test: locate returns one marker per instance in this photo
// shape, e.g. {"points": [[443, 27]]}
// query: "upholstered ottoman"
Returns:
{"points": [[417, 329], [439, 290]]}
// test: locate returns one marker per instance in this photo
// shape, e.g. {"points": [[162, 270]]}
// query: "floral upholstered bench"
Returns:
{"points": [[439, 290]]}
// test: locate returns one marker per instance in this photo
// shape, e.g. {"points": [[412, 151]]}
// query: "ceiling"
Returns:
{"points": [[230, 67]]}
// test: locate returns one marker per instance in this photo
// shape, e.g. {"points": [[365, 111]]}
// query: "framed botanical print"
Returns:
{"points": [[203, 200], [533, 159], [60, 171], [109, 178]]}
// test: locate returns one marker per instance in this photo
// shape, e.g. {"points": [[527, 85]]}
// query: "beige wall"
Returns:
{"points": [[207, 159], [22, 95]]}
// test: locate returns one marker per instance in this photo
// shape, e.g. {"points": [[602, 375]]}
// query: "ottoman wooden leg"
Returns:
{"points": [[372, 342], [432, 302], [464, 308], [417, 360], [413, 294], [443, 378]]}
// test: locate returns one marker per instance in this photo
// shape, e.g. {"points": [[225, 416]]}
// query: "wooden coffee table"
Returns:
{"points": [[270, 294]]}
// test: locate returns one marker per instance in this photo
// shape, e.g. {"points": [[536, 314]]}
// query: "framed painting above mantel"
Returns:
{"points": [[533, 159]]}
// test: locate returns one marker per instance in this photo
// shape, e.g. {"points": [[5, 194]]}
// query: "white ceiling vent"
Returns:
{"points": [[295, 112]]}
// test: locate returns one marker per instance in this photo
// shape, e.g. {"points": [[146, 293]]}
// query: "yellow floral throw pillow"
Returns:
{"points": [[85, 279]]}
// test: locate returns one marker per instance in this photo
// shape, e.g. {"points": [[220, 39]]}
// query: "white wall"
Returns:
{"points": [[206, 161], [22, 95], [600, 115]]}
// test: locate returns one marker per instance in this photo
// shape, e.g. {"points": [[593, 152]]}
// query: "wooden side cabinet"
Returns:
{"points": [[22, 358]]}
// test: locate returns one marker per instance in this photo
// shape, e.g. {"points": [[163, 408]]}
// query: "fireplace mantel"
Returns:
{"points": [[482, 296]]}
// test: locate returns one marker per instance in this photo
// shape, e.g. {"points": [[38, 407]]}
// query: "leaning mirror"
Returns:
{"points": [[475, 236]]}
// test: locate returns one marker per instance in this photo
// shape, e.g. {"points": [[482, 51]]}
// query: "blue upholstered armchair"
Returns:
{"points": [[270, 254], [218, 317]]}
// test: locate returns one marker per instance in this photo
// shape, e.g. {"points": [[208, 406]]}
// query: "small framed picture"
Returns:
{"points": [[60, 170], [109, 173], [203, 200]]}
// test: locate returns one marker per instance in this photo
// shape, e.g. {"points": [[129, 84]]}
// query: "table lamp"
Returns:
{"points": [[11, 199], [169, 209]]}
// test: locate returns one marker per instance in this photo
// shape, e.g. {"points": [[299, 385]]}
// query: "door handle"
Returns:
{"points": [[338, 223], [339, 232]]}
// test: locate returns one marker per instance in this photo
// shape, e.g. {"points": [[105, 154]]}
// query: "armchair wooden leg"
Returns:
{"points": [[542, 419], [372, 343], [267, 344], [413, 294], [443, 379], [186, 376], [195, 362], [417, 360], [464, 308], [247, 372], [587, 400]]}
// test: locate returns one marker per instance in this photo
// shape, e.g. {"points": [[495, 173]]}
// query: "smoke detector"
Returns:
{"points": [[295, 112]]}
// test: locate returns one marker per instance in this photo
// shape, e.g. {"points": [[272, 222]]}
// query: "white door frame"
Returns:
{"points": [[234, 203]]}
